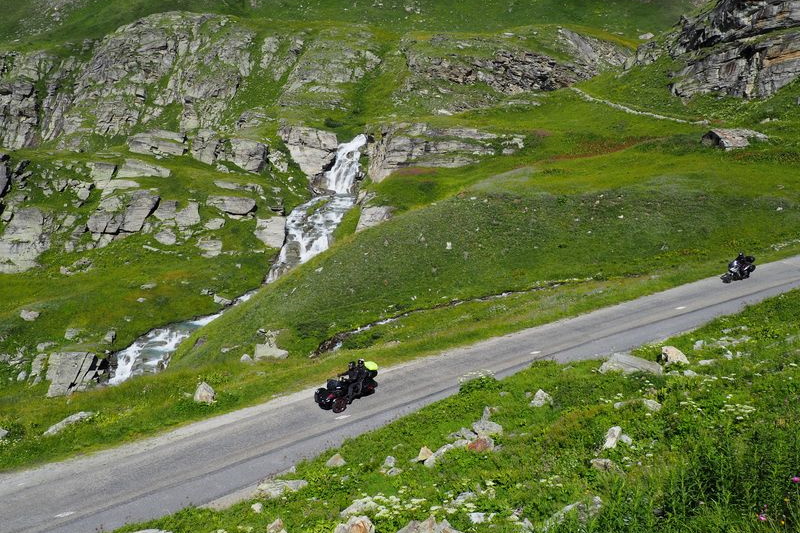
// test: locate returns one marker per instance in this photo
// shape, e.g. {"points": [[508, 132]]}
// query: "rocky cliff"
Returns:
{"points": [[742, 48]]}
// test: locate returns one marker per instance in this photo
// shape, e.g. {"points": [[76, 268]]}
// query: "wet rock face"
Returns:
{"points": [[748, 49]]}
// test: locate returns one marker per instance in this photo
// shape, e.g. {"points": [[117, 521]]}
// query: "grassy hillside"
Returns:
{"points": [[720, 454], [95, 18], [600, 206]]}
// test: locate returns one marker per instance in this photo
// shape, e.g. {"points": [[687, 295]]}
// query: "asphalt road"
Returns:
{"points": [[224, 457]]}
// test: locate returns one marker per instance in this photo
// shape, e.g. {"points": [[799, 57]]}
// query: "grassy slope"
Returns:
{"points": [[721, 451], [661, 170], [630, 17]]}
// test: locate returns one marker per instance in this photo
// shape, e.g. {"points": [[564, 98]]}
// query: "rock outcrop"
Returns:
{"points": [[372, 216], [159, 143], [742, 48], [313, 150], [271, 231], [404, 145], [25, 238], [69, 372], [732, 139], [232, 205], [118, 216], [210, 148]]}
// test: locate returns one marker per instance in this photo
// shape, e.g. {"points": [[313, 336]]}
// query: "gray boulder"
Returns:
{"points": [[271, 231], [3, 433], [428, 526], [232, 205], [28, 315], [25, 238], [670, 355], [313, 150], [373, 215], [136, 168], [732, 139], [335, 461], [204, 393], [487, 428], [69, 372], [248, 155], [541, 398], [356, 524], [188, 216], [271, 489], [210, 247], [627, 364], [72, 419], [101, 171], [159, 143]]}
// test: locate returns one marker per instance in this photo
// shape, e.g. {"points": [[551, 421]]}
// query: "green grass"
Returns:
{"points": [[721, 451], [95, 18]]}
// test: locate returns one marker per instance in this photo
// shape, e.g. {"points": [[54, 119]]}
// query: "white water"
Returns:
{"points": [[309, 228]]}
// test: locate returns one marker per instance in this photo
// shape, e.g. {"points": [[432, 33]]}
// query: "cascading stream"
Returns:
{"points": [[309, 229]]}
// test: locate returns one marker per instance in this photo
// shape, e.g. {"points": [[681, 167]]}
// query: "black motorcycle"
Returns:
{"points": [[739, 270], [333, 397]]}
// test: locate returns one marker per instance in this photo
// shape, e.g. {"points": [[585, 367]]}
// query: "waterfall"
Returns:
{"points": [[309, 228]]}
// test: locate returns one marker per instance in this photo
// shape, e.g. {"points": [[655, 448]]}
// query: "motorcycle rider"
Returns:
{"points": [[353, 377], [743, 265]]}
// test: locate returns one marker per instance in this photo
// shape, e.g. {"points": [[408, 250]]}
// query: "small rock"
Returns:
{"points": [[541, 398], [477, 518], [625, 439], [651, 405], [356, 524], [3, 433], [22, 376], [424, 454], [605, 465], [481, 444], [71, 333], [487, 428], [488, 412], [42, 346], [276, 526], [394, 471], [110, 337], [72, 419], [166, 237], [428, 526], [29, 316], [463, 433], [389, 462], [646, 36], [698, 345], [272, 489], [257, 507], [690, 374], [671, 355], [204, 393], [246, 359], [148, 286], [336, 461], [627, 364], [214, 224], [612, 436], [706, 362]]}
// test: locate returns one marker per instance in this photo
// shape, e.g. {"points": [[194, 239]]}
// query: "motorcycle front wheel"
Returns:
{"points": [[339, 404]]}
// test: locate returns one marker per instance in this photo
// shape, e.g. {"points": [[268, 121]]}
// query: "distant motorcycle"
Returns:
{"points": [[333, 397], [739, 269]]}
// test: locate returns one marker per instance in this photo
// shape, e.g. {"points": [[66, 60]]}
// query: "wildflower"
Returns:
{"points": [[762, 517], [796, 479]]}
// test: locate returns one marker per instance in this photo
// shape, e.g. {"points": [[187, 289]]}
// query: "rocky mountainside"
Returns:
{"points": [[747, 49]]}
